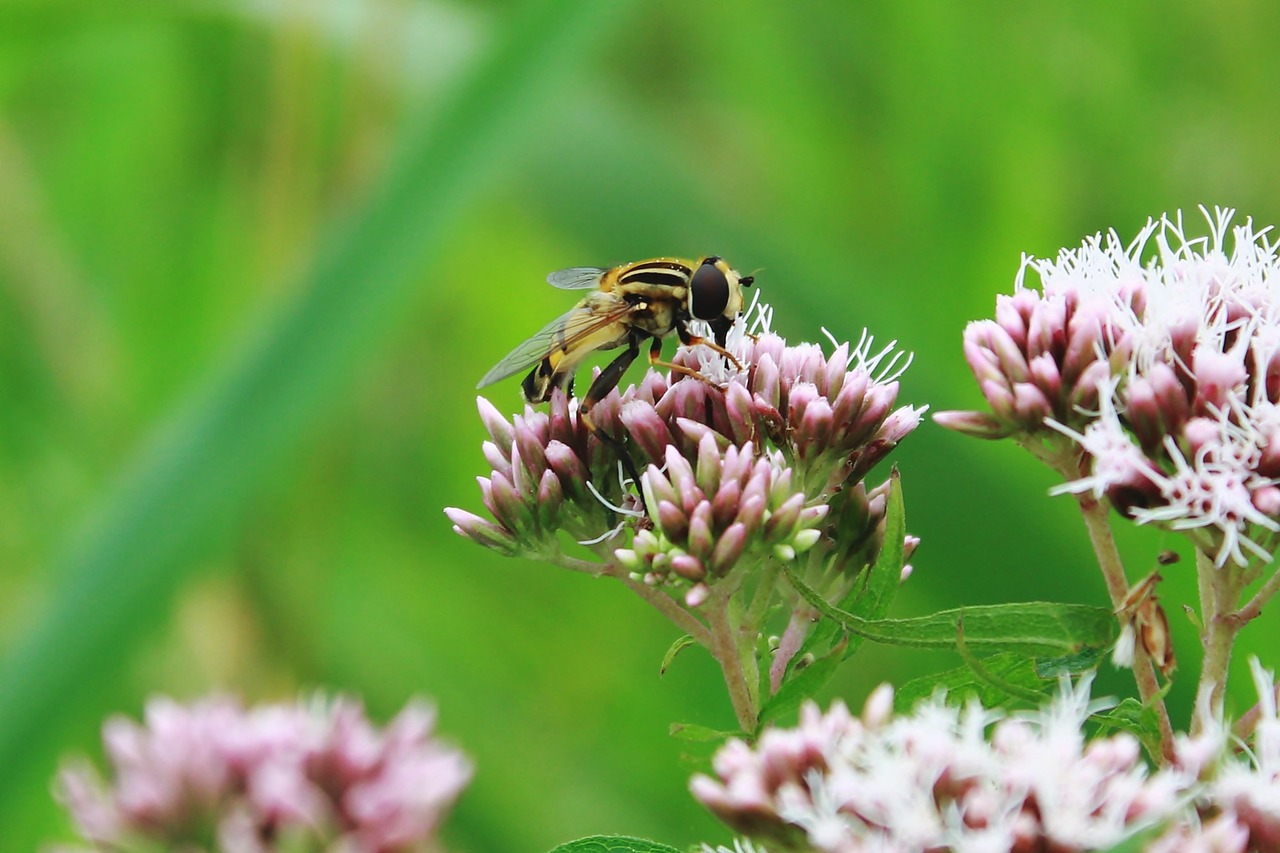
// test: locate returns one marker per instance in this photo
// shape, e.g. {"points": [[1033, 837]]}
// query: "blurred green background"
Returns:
{"points": [[255, 253]]}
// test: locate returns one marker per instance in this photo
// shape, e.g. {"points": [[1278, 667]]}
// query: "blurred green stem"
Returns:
{"points": [[1104, 548]]}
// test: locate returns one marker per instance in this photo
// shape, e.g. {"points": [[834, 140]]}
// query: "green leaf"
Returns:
{"points": [[1136, 843], [987, 676], [962, 683], [1086, 660], [613, 844], [1033, 627], [802, 684], [676, 648], [208, 459], [885, 577], [694, 733], [871, 598], [1135, 718]]}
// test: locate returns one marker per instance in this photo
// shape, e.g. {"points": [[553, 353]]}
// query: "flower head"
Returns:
{"points": [[1160, 359], [766, 459], [943, 777], [699, 486], [316, 772]]}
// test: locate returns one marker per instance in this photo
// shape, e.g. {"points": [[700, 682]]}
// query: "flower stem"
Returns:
{"points": [[1253, 609], [574, 564], [724, 649], [1104, 548], [668, 607], [659, 600], [764, 592], [1219, 590]]}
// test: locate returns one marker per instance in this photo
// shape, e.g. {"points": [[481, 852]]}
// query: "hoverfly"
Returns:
{"points": [[628, 304]]}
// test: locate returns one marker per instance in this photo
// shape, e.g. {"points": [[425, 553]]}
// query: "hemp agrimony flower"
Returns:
{"points": [[968, 778], [310, 776], [743, 468], [943, 777], [1163, 372], [1147, 375]]}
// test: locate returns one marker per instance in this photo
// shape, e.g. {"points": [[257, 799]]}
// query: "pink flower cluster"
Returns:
{"points": [[1237, 806], [943, 777], [967, 779], [1164, 372], [764, 460], [700, 535], [307, 776]]}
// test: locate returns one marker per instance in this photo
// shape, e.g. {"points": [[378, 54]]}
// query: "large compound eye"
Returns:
{"points": [[708, 291]]}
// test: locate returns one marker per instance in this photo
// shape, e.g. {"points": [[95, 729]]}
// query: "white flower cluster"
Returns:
{"points": [[1186, 431], [969, 780]]}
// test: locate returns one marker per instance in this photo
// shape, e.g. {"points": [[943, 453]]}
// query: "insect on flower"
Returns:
{"points": [[628, 304]]}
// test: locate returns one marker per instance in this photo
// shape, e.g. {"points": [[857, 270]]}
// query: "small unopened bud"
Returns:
{"points": [[879, 707], [688, 567], [479, 530], [974, 424]]}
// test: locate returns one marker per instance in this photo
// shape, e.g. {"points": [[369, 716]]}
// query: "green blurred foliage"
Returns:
{"points": [[255, 253]]}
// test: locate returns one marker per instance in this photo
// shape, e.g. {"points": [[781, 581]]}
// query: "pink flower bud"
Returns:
{"points": [[498, 460], [701, 536], [1267, 501], [507, 505], [729, 548], [672, 520], [646, 428], [813, 433], [688, 567], [782, 523], [834, 370], [1000, 399], [697, 595], [741, 415], [550, 495], [1030, 405], [1217, 374], [1198, 432], [1045, 376], [766, 387], [680, 474], [565, 463], [1011, 316], [975, 424], [498, 427], [1143, 411], [1085, 340], [1084, 393], [724, 506], [709, 463], [1170, 396], [983, 363], [738, 462], [1047, 331]]}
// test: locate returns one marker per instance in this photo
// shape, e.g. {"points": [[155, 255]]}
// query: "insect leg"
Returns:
{"points": [[600, 388], [689, 339], [655, 356]]}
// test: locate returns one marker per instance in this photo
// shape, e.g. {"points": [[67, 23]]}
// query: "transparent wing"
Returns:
{"points": [[564, 332], [576, 278]]}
